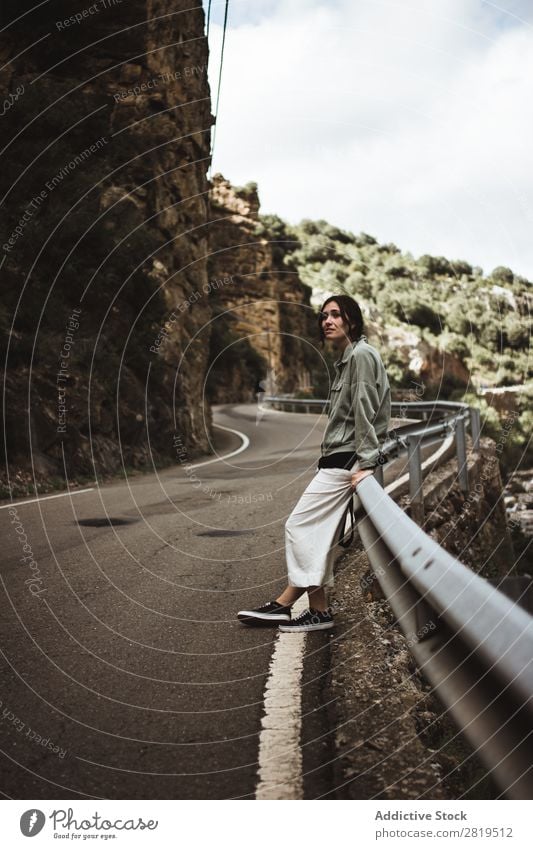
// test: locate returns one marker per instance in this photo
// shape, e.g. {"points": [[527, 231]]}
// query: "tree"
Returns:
{"points": [[435, 264], [502, 275]]}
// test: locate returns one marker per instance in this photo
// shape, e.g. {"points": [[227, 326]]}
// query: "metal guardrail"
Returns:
{"points": [[473, 643], [452, 418]]}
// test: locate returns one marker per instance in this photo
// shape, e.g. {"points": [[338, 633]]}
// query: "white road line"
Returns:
{"points": [[280, 753], [280, 772], [46, 498], [243, 447]]}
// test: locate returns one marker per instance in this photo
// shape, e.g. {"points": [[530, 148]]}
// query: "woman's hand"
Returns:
{"points": [[358, 476]]}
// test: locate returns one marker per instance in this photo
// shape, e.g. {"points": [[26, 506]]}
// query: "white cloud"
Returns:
{"points": [[408, 120]]}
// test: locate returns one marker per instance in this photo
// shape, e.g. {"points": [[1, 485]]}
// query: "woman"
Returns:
{"points": [[358, 421]]}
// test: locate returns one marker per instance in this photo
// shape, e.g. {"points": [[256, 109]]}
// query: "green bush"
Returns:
{"points": [[435, 264], [502, 276], [449, 303], [454, 344], [460, 267]]}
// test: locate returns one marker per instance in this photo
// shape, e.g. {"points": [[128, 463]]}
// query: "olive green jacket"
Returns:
{"points": [[359, 412]]}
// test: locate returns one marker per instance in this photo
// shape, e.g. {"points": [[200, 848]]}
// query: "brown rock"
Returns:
{"points": [[261, 303], [120, 234]]}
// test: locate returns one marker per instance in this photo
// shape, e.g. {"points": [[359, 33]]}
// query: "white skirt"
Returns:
{"points": [[313, 528]]}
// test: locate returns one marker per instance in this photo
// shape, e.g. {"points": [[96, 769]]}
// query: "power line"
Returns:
{"points": [[208, 18], [220, 77]]}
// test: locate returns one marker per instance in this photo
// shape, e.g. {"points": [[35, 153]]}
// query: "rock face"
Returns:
{"points": [[460, 522], [114, 277], [262, 317], [431, 369], [104, 244], [519, 501]]}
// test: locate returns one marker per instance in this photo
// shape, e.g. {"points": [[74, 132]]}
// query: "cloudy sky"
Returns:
{"points": [[410, 120]]}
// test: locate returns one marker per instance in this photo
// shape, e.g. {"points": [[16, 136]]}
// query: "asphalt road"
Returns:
{"points": [[124, 671]]}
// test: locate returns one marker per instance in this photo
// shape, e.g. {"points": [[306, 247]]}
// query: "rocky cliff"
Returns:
{"points": [[132, 297], [107, 124], [419, 364], [263, 325]]}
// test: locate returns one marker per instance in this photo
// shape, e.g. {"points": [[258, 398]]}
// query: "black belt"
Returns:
{"points": [[339, 460]]}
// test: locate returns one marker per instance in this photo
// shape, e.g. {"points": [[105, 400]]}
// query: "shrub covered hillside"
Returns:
{"points": [[483, 320], [473, 329]]}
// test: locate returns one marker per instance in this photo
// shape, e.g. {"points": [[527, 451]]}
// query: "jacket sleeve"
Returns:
{"points": [[365, 405]]}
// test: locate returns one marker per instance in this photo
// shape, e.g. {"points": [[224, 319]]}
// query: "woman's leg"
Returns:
{"points": [[317, 597], [312, 532], [290, 595], [311, 535]]}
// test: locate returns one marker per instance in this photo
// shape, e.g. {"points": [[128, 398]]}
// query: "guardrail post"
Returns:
{"points": [[460, 444], [415, 479], [426, 620], [475, 427]]}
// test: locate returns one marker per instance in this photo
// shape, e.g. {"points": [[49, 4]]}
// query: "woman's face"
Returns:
{"points": [[335, 329]]}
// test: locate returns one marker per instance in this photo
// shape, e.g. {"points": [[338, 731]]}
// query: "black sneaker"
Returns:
{"points": [[272, 612], [309, 620]]}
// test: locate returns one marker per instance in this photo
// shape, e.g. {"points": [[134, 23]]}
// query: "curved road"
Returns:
{"points": [[125, 673]]}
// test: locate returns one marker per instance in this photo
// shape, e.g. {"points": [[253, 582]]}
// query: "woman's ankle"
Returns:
{"points": [[317, 599], [290, 596]]}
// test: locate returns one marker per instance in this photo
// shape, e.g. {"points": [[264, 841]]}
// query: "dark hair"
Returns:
{"points": [[350, 312]]}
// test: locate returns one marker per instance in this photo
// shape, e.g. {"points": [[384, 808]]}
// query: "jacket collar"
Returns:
{"points": [[348, 350]]}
